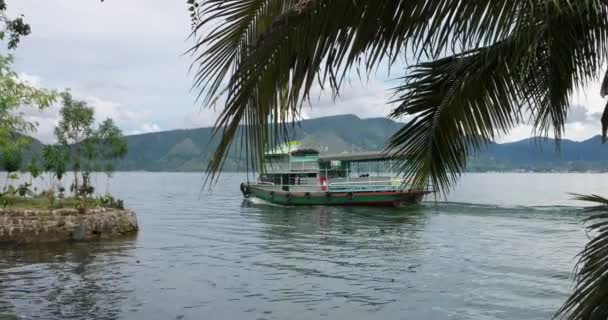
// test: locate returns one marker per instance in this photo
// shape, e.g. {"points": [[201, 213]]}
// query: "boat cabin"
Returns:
{"points": [[306, 170]]}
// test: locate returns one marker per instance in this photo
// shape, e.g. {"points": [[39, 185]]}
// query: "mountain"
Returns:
{"points": [[540, 154], [189, 150]]}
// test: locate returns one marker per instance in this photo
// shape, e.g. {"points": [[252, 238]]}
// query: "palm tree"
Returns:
{"points": [[470, 71]]}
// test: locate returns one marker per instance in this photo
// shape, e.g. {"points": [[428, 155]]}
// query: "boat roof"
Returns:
{"points": [[358, 156], [283, 149]]}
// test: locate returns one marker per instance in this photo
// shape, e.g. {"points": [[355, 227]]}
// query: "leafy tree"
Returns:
{"points": [[55, 159], [112, 145], [12, 29], [33, 168], [75, 130], [470, 72], [15, 94], [90, 150], [11, 162]]}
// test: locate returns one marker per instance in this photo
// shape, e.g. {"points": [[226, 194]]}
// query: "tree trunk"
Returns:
{"points": [[76, 183]]}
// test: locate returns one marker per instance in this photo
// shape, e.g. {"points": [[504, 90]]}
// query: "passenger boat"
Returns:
{"points": [[297, 177]]}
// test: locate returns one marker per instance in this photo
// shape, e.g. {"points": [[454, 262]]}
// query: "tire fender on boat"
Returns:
{"points": [[245, 189]]}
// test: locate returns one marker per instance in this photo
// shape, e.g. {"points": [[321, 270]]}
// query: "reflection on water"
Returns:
{"points": [[217, 256], [66, 281]]}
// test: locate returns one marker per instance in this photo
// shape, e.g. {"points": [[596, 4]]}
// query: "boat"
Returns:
{"points": [[296, 176]]}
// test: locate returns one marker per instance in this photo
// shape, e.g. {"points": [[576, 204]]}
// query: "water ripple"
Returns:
{"points": [[215, 255]]}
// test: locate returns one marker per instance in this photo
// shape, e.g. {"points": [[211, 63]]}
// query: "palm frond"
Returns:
{"points": [[589, 300], [262, 58], [461, 102], [265, 56]]}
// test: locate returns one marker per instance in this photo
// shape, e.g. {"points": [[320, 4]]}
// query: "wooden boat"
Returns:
{"points": [[304, 177]]}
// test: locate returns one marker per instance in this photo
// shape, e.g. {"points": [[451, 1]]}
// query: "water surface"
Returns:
{"points": [[501, 248]]}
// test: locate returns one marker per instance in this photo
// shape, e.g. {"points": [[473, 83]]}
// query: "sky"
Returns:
{"points": [[126, 59]]}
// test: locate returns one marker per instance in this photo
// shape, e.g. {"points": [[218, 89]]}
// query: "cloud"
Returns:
{"points": [[366, 100], [583, 115], [126, 59], [131, 121]]}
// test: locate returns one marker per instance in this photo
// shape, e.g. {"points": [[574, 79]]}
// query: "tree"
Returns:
{"points": [[55, 159], [470, 72], [90, 150], [15, 93], [112, 145], [13, 29], [11, 162], [33, 168], [75, 131]]}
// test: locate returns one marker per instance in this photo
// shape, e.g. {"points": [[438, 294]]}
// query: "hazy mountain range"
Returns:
{"points": [[189, 150]]}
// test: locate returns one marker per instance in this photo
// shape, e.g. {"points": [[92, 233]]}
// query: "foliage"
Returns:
{"points": [[50, 196], [111, 144], [588, 301], [11, 160], [15, 94], [13, 29], [24, 189], [33, 168], [106, 200], [89, 149], [55, 158], [75, 130], [475, 69]]}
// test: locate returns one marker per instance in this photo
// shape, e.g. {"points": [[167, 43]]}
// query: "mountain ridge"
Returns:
{"points": [[190, 149]]}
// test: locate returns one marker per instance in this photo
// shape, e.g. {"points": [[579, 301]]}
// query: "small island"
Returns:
{"points": [[28, 224], [41, 209]]}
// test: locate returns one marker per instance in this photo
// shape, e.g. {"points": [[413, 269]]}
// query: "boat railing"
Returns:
{"points": [[265, 183], [350, 186], [369, 185]]}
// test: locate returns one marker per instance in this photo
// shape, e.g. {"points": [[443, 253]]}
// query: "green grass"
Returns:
{"points": [[46, 203]]}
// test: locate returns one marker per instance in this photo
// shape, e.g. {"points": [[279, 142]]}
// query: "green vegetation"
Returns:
{"points": [[89, 150], [79, 147], [475, 70], [49, 202]]}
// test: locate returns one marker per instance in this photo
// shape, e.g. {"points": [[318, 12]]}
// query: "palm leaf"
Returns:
{"points": [[269, 68], [477, 69], [590, 297], [461, 102]]}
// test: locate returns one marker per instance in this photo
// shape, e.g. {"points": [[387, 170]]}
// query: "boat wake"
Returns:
{"points": [[490, 208], [260, 202]]}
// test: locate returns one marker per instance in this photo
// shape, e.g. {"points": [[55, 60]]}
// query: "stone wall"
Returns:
{"points": [[39, 225]]}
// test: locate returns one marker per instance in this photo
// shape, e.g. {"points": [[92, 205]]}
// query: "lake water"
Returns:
{"points": [[502, 247]]}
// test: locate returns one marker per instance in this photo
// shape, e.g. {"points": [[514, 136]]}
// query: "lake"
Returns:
{"points": [[501, 247]]}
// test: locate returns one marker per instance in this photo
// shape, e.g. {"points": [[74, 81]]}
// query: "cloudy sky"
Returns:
{"points": [[125, 57]]}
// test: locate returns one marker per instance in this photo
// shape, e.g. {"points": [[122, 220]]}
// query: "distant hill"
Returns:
{"points": [[189, 150], [542, 155]]}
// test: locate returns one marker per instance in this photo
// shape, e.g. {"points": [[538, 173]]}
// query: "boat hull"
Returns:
{"points": [[382, 198]]}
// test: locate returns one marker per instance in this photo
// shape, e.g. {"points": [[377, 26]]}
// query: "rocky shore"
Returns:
{"points": [[42, 225]]}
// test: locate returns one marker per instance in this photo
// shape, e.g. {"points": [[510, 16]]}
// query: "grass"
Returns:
{"points": [[46, 203]]}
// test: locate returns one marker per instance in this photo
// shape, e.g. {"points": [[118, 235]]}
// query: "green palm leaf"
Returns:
{"points": [[589, 300], [264, 71]]}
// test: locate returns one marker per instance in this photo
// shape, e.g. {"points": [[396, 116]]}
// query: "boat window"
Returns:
{"points": [[336, 174]]}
